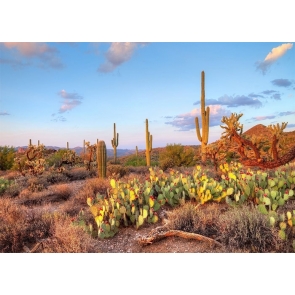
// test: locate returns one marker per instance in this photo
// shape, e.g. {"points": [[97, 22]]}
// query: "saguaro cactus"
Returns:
{"points": [[148, 142], [205, 120], [101, 158], [115, 142]]}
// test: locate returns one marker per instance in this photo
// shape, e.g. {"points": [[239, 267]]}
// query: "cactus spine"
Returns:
{"points": [[115, 142], [101, 158], [205, 120], [149, 142]]}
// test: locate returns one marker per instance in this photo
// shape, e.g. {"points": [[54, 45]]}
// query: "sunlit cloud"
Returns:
{"points": [[118, 53], [32, 50], [234, 101], [273, 56], [70, 101], [186, 122], [281, 82]]}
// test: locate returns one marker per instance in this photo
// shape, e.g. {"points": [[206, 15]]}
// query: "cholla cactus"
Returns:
{"points": [[233, 130], [91, 157]]}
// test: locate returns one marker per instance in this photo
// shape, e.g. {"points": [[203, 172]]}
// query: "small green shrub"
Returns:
{"points": [[7, 155], [176, 155], [4, 185], [135, 161]]}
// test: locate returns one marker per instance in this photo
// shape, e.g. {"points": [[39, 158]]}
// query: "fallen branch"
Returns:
{"points": [[153, 237]]}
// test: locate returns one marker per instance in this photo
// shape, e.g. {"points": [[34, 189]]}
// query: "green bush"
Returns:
{"points": [[56, 158], [7, 155], [176, 155], [135, 161], [4, 184]]}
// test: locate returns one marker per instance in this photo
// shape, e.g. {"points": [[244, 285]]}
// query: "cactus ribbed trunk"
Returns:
{"points": [[115, 142], [101, 158], [149, 143], [205, 121]]}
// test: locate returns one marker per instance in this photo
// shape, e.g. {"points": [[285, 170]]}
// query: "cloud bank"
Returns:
{"points": [[4, 114], [234, 101], [272, 57], [118, 53]]}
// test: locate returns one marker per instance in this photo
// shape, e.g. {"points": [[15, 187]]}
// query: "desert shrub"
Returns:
{"points": [[7, 155], [91, 188], [37, 184], [56, 177], [13, 190], [176, 155], [65, 237], [135, 161], [139, 170], [247, 229], [79, 173], [19, 226], [56, 158], [116, 170], [188, 218], [4, 185]]}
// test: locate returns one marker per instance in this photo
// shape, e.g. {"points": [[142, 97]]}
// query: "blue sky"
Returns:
{"points": [[67, 92]]}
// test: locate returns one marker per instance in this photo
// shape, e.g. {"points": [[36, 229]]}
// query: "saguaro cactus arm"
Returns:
{"points": [[205, 113], [149, 143], [115, 142]]}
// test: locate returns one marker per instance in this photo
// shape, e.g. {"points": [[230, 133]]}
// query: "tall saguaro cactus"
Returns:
{"points": [[101, 158], [115, 142], [205, 120], [148, 143]]}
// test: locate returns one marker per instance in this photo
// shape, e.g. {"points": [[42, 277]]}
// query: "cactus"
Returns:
{"points": [[101, 158], [115, 142], [149, 142], [205, 121], [67, 145]]}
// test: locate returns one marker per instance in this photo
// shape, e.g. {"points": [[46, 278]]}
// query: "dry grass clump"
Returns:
{"points": [[22, 227], [79, 173], [91, 188], [56, 177], [199, 220], [65, 237], [248, 230], [18, 227], [116, 170]]}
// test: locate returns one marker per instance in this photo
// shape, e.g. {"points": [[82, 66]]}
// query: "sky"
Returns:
{"points": [[74, 84], [59, 92]]}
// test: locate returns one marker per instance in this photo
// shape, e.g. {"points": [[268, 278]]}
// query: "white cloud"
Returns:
{"points": [[274, 55]]}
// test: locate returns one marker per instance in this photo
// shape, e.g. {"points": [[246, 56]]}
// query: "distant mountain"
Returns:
{"points": [[79, 150]]}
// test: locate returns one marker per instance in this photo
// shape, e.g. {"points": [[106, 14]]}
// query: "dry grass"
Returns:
{"points": [[248, 230], [199, 220], [79, 173], [67, 238], [20, 226]]}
